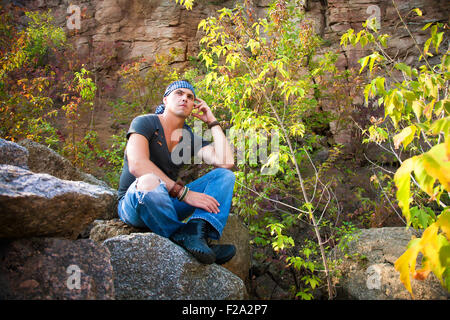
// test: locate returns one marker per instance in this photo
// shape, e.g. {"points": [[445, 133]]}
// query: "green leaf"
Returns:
{"points": [[425, 217], [363, 41], [383, 40], [403, 67], [441, 126]]}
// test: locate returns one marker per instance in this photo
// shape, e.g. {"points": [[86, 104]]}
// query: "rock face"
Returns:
{"points": [[128, 29], [369, 273], [113, 32], [56, 269], [149, 267], [41, 205]]}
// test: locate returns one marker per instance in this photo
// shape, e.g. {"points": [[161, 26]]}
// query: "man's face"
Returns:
{"points": [[180, 102]]}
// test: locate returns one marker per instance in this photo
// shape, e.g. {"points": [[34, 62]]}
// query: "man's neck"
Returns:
{"points": [[171, 121]]}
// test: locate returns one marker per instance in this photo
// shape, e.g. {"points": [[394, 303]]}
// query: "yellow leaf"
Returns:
{"points": [[406, 264], [425, 181], [405, 136], [417, 107], [444, 222], [447, 147], [428, 111], [430, 245], [437, 165], [417, 11], [402, 180]]}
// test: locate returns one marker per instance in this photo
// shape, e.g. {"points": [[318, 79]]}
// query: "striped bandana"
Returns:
{"points": [[177, 85], [173, 86]]}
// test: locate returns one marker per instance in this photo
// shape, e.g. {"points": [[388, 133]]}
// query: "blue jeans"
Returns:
{"points": [[163, 215]]}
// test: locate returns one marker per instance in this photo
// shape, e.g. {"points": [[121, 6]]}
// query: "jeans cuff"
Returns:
{"points": [[216, 233]]}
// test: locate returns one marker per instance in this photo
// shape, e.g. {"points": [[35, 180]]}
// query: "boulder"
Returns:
{"points": [[40, 205], [368, 273], [42, 159], [13, 154], [55, 269], [150, 267], [235, 232]]}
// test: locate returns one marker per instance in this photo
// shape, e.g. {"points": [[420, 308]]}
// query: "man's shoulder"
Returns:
{"points": [[145, 119], [146, 116], [144, 124]]}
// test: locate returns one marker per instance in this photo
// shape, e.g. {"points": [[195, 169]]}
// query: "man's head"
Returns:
{"points": [[178, 98], [179, 84]]}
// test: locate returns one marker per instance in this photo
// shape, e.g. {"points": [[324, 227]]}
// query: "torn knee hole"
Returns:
{"points": [[147, 182]]}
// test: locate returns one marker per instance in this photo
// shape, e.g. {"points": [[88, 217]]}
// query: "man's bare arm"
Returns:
{"points": [[139, 163], [219, 153]]}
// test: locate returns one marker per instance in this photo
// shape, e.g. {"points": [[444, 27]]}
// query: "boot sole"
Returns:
{"points": [[203, 257], [224, 255]]}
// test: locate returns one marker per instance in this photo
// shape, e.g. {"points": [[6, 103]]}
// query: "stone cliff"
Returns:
{"points": [[111, 32], [134, 28]]}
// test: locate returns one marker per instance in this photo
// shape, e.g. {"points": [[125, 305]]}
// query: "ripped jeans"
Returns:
{"points": [[163, 215]]}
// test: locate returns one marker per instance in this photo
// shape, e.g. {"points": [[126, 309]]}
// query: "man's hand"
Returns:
{"points": [[202, 111], [202, 201]]}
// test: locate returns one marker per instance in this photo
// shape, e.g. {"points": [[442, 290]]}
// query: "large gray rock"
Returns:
{"points": [[42, 205], [235, 232], [368, 271], [46, 268], [42, 159], [150, 267], [13, 154]]}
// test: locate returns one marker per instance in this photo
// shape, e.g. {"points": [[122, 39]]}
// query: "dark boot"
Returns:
{"points": [[192, 238], [223, 252]]}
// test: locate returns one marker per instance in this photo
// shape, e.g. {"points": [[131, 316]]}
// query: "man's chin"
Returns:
{"points": [[182, 114]]}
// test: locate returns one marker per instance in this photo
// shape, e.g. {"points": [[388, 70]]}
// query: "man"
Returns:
{"points": [[150, 196]]}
